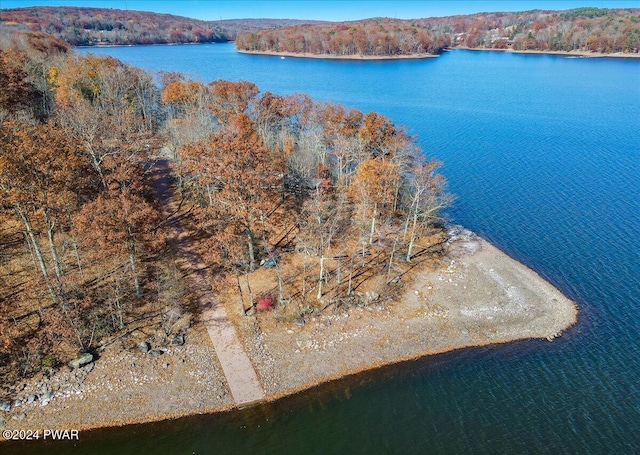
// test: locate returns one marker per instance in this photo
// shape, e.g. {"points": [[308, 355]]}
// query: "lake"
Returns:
{"points": [[543, 154]]}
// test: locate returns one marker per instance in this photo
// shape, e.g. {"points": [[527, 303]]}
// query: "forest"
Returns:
{"points": [[106, 26], [262, 183], [582, 29]]}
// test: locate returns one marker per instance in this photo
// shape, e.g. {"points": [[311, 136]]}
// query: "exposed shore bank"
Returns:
{"points": [[574, 54], [339, 57], [478, 296]]}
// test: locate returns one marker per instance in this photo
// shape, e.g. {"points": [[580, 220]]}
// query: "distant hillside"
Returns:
{"points": [[581, 29], [101, 26]]}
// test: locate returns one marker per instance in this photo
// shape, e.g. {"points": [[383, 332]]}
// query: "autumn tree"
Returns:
{"points": [[231, 99], [323, 216], [373, 190], [188, 117], [235, 183], [425, 198], [107, 105], [42, 175], [17, 93]]}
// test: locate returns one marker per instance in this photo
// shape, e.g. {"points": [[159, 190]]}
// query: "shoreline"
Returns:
{"points": [[501, 300], [574, 54], [338, 57]]}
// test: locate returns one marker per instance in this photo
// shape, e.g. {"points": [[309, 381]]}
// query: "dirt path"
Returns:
{"points": [[241, 376]]}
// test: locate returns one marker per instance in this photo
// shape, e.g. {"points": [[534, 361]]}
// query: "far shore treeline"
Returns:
{"points": [[586, 29], [86, 257]]}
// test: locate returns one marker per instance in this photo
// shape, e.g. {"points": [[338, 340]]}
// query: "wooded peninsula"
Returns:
{"points": [[142, 222]]}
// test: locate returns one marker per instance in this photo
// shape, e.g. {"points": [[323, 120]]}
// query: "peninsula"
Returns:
{"points": [[190, 248], [339, 57]]}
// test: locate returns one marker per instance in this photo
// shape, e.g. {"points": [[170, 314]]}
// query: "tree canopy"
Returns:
{"points": [[85, 246]]}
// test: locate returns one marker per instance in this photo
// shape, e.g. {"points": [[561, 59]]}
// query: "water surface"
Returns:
{"points": [[543, 153]]}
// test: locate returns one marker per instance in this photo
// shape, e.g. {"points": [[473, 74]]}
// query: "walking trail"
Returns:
{"points": [[241, 376]]}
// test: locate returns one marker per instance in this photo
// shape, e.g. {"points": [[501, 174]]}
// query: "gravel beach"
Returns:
{"points": [[478, 296]]}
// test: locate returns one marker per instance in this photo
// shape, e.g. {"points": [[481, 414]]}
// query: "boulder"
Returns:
{"points": [[5, 406], [177, 340], [155, 352], [46, 397], [143, 347], [181, 325], [82, 360]]}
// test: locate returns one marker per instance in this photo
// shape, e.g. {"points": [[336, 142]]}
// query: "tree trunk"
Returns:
{"points": [[252, 257], [118, 304], [244, 311], [280, 287], [413, 234], [353, 256], [246, 277], [33, 256], [36, 248], [77, 255], [136, 280], [373, 223], [304, 276], [209, 194], [52, 247], [320, 277], [393, 250]]}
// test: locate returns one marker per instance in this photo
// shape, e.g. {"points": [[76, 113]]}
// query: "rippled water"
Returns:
{"points": [[543, 153]]}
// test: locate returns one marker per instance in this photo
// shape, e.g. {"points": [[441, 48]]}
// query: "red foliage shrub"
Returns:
{"points": [[265, 303]]}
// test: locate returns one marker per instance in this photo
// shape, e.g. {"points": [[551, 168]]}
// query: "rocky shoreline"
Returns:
{"points": [[478, 296]]}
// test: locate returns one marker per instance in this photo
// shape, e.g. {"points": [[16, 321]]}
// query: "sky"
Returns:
{"points": [[331, 10]]}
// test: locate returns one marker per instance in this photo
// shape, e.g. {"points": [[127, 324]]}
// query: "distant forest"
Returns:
{"points": [[581, 29], [102, 26]]}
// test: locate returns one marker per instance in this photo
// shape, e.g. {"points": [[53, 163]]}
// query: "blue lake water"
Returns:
{"points": [[543, 153]]}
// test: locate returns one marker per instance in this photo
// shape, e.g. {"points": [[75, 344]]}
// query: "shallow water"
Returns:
{"points": [[543, 153]]}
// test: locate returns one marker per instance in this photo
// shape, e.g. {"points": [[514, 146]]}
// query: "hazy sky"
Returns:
{"points": [[325, 10]]}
